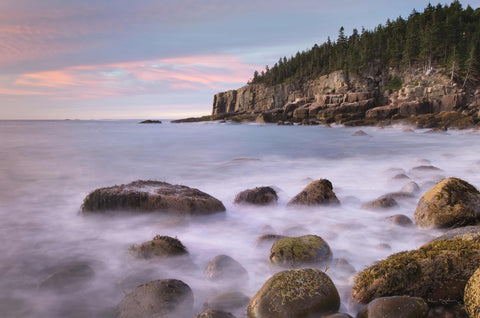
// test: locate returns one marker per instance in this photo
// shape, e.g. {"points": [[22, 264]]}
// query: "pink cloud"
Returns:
{"points": [[133, 78]]}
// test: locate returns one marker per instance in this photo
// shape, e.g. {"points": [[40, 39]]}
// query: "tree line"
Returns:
{"points": [[442, 36]]}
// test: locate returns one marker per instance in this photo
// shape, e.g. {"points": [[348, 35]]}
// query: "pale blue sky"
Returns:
{"points": [[157, 59]]}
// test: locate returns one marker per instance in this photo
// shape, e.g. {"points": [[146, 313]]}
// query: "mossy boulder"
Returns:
{"points": [[316, 193], [257, 196], [450, 203], [213, 313], [396, 306], [472, 295], [159, 246], [300, 251], [67, 277], [437, 272], [228, 301], [150, 196], [384, 202], [169, 298], [223, 267], [294, 294]]}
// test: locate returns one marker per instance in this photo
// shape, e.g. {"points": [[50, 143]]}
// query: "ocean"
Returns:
{"points": [[48, 167]]}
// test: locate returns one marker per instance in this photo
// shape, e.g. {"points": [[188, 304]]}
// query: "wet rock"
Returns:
{"points": [[295, 293], [401, 176], [68, 277], [384, 202], [452, 311], [257, 196], [471, 232], [360, 133], [436, 272], [411, 188], [159, 246], [213, 313], [396, 306], [299, 251], [149, 121], [450, 203], [472, 295], [228, 301], [383, 246], [316, 193], [169, 298], [425, 168], [268, 240], [223, 267], [400, 220], [337, 315], [149, 196], [398, 195]]}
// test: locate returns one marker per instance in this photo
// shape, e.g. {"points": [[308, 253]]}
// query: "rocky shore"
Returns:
{"points": [[424, 99], [439, 279]]}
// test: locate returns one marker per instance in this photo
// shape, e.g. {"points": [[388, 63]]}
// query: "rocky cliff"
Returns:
{"points": [[354, 100]]}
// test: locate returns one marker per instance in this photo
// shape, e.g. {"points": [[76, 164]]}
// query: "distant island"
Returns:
{"points": [[149, 121], [423, 70]]}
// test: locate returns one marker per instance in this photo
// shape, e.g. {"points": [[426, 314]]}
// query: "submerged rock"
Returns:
{"points": [[295, 293], [68, 277], [316, 193], [384, 202], [257, 196], [396, 306], [159, 246], [472, 295], [436, 272], [450, 203], [228, 301], [299, 251], [213, 313], [223, 267], [148, 196], [149, 121], [400, 220], [425, 168], [360, 133], [169, 298], [411, 188]]}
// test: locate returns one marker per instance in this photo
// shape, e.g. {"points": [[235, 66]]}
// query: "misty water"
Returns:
{"points": [[48, 167]]}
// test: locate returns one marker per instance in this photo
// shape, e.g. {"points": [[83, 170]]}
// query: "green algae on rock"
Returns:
{"points": [[294, 252], [436, 272], [294, 294], [450, 203], [150, 196], [396, 306], [159, 246], [472, 295]]}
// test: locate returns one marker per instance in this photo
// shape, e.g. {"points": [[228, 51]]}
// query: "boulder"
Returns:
{"points": [[148, 196], [169, 298], [299, 251], [384, 202], [67, 277], [450, 203], [396, 306], [268, 240], [425, 168], [295, 293], [223, 267], [159, 246], [437, 272], [411, 187], [257, 196], [213, 313], [400, 219], [472, 295], [360, 133], [228, 301], [318, 192]]}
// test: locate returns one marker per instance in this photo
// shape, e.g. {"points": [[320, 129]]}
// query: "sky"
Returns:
{"points": [[104, 59]]}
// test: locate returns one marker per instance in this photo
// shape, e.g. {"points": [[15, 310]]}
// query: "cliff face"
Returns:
{"points": [[340, 98]]}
